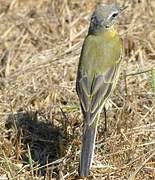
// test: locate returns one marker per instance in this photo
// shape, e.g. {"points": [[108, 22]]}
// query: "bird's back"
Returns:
{"points": [[99, 51]]}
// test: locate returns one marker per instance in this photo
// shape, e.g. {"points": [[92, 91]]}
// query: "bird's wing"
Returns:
{"points": [[94, 99], [93, 93]]}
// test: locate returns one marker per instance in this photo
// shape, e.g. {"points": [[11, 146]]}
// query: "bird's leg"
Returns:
{"points": [[105, 120]]}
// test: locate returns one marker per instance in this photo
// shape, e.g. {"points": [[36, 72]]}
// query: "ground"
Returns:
{"points": [[40, 118]]}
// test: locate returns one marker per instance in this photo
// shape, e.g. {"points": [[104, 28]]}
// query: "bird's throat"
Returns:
{"points": [[108, 32], [112, 31]]}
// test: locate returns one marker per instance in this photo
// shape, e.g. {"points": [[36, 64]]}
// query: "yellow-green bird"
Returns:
{"points": [[97, 75]]}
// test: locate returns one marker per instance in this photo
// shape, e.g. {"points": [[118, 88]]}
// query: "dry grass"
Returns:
{"points": [[41, 124]]}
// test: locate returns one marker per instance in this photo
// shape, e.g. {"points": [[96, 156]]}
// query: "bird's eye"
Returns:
{"points": [[114, 15]]}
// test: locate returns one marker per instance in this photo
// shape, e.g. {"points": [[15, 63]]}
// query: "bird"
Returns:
{"points": [[97, 75]]}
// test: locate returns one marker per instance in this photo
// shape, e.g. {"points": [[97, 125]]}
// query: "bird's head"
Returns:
{"points": [[104, 17]]}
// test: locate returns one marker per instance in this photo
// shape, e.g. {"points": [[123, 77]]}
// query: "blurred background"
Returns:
{"points": [[40, 119]]}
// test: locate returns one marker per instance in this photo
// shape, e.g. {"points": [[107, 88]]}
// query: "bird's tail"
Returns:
{"points": [[87, 149]]}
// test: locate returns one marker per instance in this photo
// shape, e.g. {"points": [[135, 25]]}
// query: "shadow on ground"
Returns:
{"points": [[46, 142]]}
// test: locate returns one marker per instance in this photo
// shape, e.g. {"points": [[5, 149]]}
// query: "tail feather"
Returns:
{"points": [[87, 149]]}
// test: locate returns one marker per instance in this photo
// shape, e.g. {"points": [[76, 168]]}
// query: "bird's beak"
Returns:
{"points": [[123, 8]]}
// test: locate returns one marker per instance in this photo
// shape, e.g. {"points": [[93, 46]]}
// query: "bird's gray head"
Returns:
{"points": [[104, 17]]}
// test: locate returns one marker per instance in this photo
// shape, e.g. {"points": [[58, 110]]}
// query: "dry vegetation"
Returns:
{"points": [[40, 119]]}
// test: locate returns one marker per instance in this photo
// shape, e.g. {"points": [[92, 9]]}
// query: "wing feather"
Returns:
{"points": [[92, 101]]}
